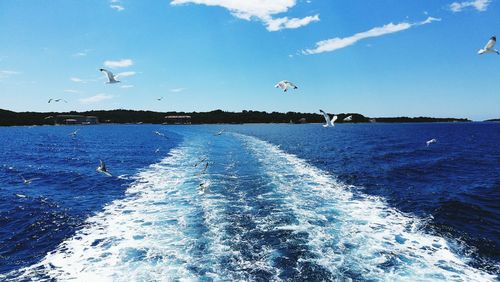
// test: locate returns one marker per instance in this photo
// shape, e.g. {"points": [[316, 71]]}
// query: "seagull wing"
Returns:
{"points": [[491, 43], [334, 118], [292, 85], [110, 75], [327, 118], [102, 165]]}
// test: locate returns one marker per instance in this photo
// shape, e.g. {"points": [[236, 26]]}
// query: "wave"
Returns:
{"points": [[265, 215]]}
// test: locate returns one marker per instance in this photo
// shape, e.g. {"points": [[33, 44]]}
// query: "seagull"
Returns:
{"points": [[489, 47], [285, 85], [48, 117], [200, 161], [73, 134], [159, 134], [349, 118], [111, 76], [220, 132], [203, 186], [204, 169], [327, 119], [432, 141], [27, 181], [157, 151], [57, 100], [102, 168], [159, 99]]}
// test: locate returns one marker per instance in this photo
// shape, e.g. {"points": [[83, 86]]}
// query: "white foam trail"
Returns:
{"points": [[358, 236], [147, 236]]}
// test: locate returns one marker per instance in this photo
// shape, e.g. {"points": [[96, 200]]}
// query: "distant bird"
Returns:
{"points": [[200, 161], [219, 132], [349, 118], [48, 117], [74, 133], [204, 169], [102, 168], [432, 141], [157, 151], [327, 119], [20, 195], [285, 85], [159, 99], [489, 47], [110, 75], [57, 100], [159, 133], [203, 186], [27, 181]]}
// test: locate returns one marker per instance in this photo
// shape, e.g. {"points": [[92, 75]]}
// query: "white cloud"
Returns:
{"points": [[77, 80], [333, 44], [177, 90], [72, 91], [480, 5], [126, 74], [262, 10], [96, 99], [126, 86], [119, 8], [119, 64], [8, 73]]}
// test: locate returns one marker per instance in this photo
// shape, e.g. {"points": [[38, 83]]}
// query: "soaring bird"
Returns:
{"points": [[102, 168], [327, 119], [27, 181], [219, 133], [349, 118], [432, 141], [489, 47], [111, 76], [57, 100], [285, 85], [74, 133], [159, 99]]}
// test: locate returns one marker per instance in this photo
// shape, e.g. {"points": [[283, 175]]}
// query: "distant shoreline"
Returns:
{"points": [[10, 118]]}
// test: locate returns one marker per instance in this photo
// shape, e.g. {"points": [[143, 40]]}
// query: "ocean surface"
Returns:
{"points": [[358, 202]]}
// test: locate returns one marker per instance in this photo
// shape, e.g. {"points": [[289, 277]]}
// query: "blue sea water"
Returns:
{"points": [[367, 202]]}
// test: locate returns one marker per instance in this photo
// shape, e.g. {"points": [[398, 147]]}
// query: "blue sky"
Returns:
{"points": [[378, 58]]}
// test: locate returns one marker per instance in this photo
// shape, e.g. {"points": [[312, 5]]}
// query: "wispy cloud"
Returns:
{"points": [[126, 74], [7, 73], [333, 44], [480, 5], [95, 99], [119, 64], [119, 8], [126, 86], [72, 91], [77, 80], [262, 10], [177, 90]]}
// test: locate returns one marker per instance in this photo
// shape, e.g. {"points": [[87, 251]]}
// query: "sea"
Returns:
{"points": [[259, 202]]}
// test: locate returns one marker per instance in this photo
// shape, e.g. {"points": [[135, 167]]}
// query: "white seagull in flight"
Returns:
{"points": [[73, 134], [327, 119], [102, 168], [285, 85], [432, 141], [28, 181], [489, 47], [159, 99], [349, 118], [111, 77]]}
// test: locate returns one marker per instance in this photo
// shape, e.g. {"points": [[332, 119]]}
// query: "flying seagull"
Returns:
{"points": [[27, 181], [102, 168], [48, 117], [432, 141], [220, 132], [73, 134], [203, 186], [159, 99], [159, 133], [200, 161], [285, 85], [57, 100], [489, 47], [327, 119], [111, 76], [349, 118], [204, 169]]}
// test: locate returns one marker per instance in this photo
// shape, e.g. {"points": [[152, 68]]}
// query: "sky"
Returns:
{"points": [[377, 58]]}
